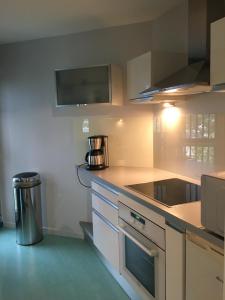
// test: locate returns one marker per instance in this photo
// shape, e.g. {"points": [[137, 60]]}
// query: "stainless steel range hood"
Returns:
{"points": [[195, 77]]}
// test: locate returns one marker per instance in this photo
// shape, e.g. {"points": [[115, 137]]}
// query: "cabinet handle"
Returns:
{"points": [[219, 279], [104, 199], [150, 252], [105, 220]]}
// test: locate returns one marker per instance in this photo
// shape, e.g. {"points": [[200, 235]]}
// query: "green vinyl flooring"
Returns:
{"points": [[57, 268]]}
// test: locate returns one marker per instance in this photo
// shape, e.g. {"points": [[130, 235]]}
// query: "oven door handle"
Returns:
{"points": [[150, 252]]}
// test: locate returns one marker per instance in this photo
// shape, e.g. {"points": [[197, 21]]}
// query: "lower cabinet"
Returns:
{"points": [[105, 208], [175, 264], [204, 271], [194, 267], [106, 238]]}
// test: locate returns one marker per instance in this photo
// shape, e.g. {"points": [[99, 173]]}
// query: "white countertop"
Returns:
{"points": [[122, 176], [188, 213], [131, 175]]}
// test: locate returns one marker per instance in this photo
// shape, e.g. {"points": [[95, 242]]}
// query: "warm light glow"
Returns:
{"points": [[171, 91], [170, 116], [120, 122], [167, 104]]}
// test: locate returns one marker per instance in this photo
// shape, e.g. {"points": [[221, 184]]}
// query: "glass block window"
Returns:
{"points": [[200, 126], [205, 154]]}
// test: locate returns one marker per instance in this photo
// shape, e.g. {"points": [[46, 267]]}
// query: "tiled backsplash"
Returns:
{"points": [[190, 138]]}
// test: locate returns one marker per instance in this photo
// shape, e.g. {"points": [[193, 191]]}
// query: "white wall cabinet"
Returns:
{"points": [[116, 88], [218, 52], [149, 68], [138, 75], [204, 271]]}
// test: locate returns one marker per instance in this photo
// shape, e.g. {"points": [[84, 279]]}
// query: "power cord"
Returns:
{"points": [[78, 177]]}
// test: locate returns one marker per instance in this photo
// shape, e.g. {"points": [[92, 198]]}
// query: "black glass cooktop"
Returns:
{"points": [[169, 192]]}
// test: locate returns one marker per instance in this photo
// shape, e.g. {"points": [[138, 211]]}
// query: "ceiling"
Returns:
{"points": [[22, 20]]}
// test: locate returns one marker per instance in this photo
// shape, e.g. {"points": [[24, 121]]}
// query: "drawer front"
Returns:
{"points": [[107, 193], [105, 208], [106, 239]]}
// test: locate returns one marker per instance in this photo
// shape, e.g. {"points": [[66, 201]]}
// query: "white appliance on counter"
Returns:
{"points": [[213, 202], [142, 253]]}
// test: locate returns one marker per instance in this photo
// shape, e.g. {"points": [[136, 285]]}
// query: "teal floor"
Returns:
{"points": [[58, 268]]}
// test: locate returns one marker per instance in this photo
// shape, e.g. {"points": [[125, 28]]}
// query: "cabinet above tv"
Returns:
{"points": [[89, 85]]}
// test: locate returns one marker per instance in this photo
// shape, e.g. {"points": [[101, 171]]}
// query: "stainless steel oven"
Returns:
{"points": [[142, 254]]}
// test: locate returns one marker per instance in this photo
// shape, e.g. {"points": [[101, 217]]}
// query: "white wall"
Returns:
{"points": [[35, 136]]}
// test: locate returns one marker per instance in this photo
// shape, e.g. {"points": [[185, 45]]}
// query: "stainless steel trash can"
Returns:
{"points": [[27, 196]]}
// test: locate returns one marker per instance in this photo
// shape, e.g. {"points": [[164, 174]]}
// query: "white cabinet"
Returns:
{"points": [[105, 208], [138, 75], [175, 264], [116, 85], [204, 270], [105, 221], [106, 239], [107, 193], [218, 52], [149, 68]]}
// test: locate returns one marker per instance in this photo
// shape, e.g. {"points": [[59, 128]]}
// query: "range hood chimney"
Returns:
{"points": [[195, 77]]}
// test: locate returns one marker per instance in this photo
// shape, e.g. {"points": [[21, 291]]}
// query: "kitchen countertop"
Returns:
{"points": [[183, 216]]}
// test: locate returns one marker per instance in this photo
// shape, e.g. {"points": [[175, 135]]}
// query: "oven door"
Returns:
{"points": [[142, 263]]}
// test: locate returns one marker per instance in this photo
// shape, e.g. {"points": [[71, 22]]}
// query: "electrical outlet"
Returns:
{"points": [[85, 126]]}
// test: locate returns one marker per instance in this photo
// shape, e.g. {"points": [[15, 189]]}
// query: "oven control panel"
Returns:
{"points": [[143, 225]]}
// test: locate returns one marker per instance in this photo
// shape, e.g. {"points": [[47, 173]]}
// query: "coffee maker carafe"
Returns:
{"points": [[97, 157]]}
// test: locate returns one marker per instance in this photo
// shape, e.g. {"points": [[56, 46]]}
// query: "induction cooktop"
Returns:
{"points": [[169, 192]]}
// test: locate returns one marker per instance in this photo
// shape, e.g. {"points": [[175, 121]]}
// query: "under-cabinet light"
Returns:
{"points": [[168, 104], [170, 116]]}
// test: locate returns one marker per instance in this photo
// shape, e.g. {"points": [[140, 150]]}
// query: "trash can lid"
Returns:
{"points": [[30, 178]]}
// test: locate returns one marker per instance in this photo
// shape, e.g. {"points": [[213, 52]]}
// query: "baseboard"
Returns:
{"points": [[49, 230], [54, 231], [9, 224]]}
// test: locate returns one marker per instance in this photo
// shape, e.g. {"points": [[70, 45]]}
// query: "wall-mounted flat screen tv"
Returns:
{"points": [[82, 86]]}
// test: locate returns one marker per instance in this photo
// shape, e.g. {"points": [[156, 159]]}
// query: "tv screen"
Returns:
{"points": [[83, 86]]}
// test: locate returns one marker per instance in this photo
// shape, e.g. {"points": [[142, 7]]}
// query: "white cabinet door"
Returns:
{"points": [[106, 239], [150, 68], [218, 52], [175, 264], [138, 75], [204, 272]]}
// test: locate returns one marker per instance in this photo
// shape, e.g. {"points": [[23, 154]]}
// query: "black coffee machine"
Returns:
{"points": [[97, 157]]}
